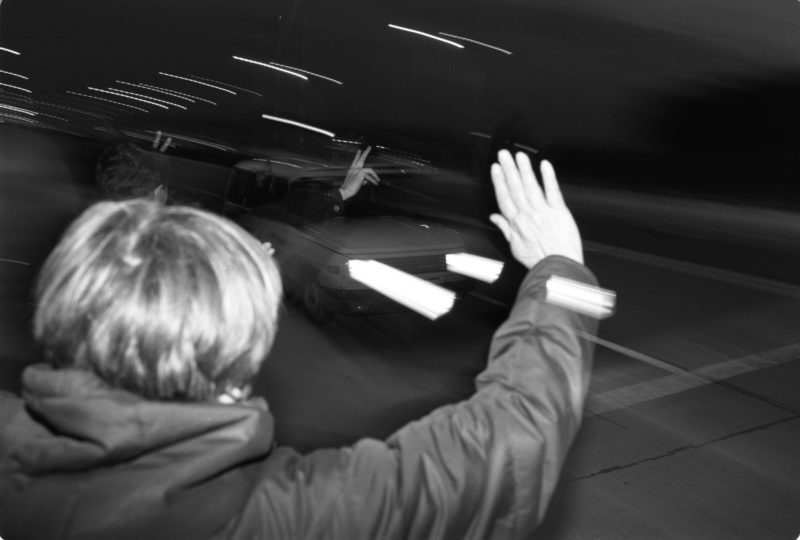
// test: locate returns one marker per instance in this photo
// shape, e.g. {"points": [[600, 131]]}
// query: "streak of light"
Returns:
{"points": [[15, 261], [72, 109], [17, 109], [16, 87], [577, 296], [424, 297], [279, 162], [157, 100], [481, 135], [20, 118], [12, 51], [196, 141], [197, 82], [270, 66], [229, 85], [425, 34], [143, 87], [504, 51], [299, 160], [107, 101], [53, 116], [298, 124], [13, 74], [528, 148], [308, 72], [176, 93], [474, 266], [153, 103]]}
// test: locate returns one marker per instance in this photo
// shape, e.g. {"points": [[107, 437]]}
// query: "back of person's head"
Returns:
{"points": [[169, 302], [126, 171]]}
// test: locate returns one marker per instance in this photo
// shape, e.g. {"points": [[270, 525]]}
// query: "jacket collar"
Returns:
{"points": [[75, 421]]}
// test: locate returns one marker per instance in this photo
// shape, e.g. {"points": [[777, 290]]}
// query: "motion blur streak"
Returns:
{"points": [[197, 82], [229, 85], [126, 96], [270, 66], [425, 34], [476, 42], [190, 100], [107, 100], [16, 87], [168, 103], [13, 74], [298, 124], [308, 72], [176, 93], [427, 299], [4, 49]]}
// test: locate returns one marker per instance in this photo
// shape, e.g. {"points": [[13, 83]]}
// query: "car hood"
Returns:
{"points": [[384, 234]]}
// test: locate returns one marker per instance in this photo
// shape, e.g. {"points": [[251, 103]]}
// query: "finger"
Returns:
{"points": [[513, 182], [533, 191], [371, 176], [502, 224], [551, 188], [364, 155], [355, 160], [504, 200]]}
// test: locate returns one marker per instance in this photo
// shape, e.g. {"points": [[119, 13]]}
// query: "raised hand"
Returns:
{"points": [[535, 222], [358, 175]]}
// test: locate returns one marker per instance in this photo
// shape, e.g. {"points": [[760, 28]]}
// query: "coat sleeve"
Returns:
{"points": [[482, 468]]}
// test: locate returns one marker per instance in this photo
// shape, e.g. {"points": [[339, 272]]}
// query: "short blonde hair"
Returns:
{"points": [[169, 302]]}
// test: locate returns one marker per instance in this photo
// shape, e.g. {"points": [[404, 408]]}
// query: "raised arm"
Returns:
{"points": [[482, 468]]}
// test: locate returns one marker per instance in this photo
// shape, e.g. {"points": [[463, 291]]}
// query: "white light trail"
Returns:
{"points": [[474, 266], [476, 42], [72, 109], [270, 66], [169, 103], [424, 297], [196, 141], [425, 34], [298, 124], [12, 51], [305, 71], [20, 118], [197, 82], [16, 87], [143, 87], [230, 86], [577, 296], [13, 74], [176, 93], [53, 116], [278, 162], [480, 134], [528, 148], [17, 109], [119, 94], [107, 101]]}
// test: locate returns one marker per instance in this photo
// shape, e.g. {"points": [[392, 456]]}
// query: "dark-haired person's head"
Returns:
{"points": [[126, 171], [168, 302]]}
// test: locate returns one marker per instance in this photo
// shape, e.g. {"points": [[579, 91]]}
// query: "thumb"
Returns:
{"points": [[502, 224]]}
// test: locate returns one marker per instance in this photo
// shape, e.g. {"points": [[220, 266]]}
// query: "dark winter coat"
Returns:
{"points": [[79, 459]]}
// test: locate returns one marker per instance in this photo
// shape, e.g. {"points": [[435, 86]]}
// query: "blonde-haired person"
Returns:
{"points": [[155, 318]]}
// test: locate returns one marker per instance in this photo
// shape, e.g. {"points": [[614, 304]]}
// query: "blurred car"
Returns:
{"points": [[313, 254]]}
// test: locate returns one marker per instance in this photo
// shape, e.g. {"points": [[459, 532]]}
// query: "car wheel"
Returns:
{"points": [[315, 303]]}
